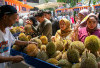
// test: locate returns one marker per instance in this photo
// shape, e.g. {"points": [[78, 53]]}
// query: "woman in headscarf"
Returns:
{"points": [[82, 14], [80, 23], [90, 29], [64, 32]]}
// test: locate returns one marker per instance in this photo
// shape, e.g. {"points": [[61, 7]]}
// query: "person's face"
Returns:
{"points": [[62, 25], [91, 23], [48, 16], [80, 16], [29, 22], [40, 19], [10, 19]]}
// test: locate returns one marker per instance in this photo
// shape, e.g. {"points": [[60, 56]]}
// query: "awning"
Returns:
{"points": [[80, 8], [49, 5], [96, 6], [19, 4]]}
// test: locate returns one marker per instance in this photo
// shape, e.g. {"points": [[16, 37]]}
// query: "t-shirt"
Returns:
{"points": [[6, 40]]}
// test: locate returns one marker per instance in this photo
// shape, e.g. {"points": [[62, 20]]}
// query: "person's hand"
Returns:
{"points": [[76, 27], [29, 42], [53, 38], [16, 59]]}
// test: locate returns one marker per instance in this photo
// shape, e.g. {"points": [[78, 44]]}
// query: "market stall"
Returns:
{"points": [[19, 5], [97, 7]]}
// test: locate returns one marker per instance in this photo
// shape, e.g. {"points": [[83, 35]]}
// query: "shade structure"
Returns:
{"points": [[49, 5]]}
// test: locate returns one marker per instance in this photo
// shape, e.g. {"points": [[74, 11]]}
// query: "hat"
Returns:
{"points": [[86, 18], [7, 9]]}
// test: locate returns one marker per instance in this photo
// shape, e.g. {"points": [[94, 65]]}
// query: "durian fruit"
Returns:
{"points": [[18, 29], [58, 57], [50, 48], [77, 65], [52, 61], [78, 45], [32, 50], [64, 55], [59, 45], [38, 41], [88, 62], [13, 31], [73, 55], [44, 40], [92, 43], [63, 63], [27, 28], [90, 55], [15, 47], [55, 54], [23, 37], [43, 48], [67, 44], [42, 55], [29, 37]]}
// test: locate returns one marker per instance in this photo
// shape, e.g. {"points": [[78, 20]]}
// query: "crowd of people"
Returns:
{"points": [[87, 23]]}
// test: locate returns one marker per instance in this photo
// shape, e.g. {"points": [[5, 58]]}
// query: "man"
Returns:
{"points": [[45, 26], [47, 15], [55, 23], [8, 16]]}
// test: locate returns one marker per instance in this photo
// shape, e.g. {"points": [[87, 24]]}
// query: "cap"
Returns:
{"points": [[7, 9]]}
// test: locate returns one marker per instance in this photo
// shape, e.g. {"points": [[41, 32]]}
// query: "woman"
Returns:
{"points": [[8, 15], [64, 32], [90, 29], [82, 14]]}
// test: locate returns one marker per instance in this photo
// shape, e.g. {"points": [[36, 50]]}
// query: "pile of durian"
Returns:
{"points": [[64, 53], [15, 30]]}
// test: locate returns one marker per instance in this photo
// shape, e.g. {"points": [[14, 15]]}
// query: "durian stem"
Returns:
{"points": [[87, 54]]}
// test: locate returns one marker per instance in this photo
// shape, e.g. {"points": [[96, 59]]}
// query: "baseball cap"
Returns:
{"points": [[7, 9]]}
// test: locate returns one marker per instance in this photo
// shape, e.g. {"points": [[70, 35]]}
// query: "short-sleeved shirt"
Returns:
{"points": [[6, 40]]}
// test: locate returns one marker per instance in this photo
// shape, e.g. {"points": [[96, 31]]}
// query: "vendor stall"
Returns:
{"points": [[97, 7], [19, 5]]}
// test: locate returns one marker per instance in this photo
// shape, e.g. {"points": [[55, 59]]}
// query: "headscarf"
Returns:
{"points": [[84, 12], [67, 31], [85, 19]]}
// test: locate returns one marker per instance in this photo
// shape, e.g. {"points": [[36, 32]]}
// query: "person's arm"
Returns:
{"points": [[13, 59], [23, 43]]}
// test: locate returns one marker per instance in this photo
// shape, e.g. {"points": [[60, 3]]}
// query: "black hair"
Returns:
{"points": [[47, 11], [34, 21], [39, 13]]}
